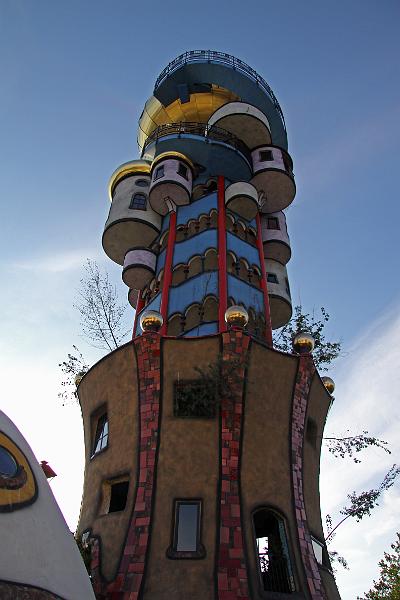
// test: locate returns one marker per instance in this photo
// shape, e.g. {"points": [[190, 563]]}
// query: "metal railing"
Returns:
{"points": [[212, 56], [201, 129]]}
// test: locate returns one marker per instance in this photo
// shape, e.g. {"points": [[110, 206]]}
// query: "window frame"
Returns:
{"points": [[265, 152], [159, 172], [183, 171], [96, 418], [275, 220], [275, 281], [142, 183], [172, 551], [134, 199]]}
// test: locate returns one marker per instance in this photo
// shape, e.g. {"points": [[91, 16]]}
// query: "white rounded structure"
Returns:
{"points": [[244, 121], [242, 199], [280, 301], [273, 177], [38, 550], [171, 182], [131, 220], [139, 267], [275, 237]]}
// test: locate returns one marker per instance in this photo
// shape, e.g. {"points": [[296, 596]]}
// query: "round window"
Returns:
{"points": [[8, 464]]}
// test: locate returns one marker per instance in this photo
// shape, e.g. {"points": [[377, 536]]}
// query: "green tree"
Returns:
{"points": [[388, 585]]}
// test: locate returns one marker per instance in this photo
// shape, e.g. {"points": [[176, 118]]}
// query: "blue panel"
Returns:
{"points": [[192, 290], [245, 294], [197, 208], [161, 260], [242, 249], [203, 329], [153, 305], [198, 244]]}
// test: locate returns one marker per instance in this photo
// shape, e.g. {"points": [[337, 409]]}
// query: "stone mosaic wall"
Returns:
{"points": [[305, 374], [231, 568]]}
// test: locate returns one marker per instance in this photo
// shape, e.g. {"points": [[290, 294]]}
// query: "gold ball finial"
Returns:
{"points": [[237, 316], [329, 384], [151, 320], [303, 343], [78, 377]]}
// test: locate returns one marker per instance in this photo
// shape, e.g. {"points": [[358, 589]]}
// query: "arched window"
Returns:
{"points": [[142, 183], [272, 552], [138, 202]]}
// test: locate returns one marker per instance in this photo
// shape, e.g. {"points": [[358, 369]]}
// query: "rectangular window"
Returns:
{"points": [[266, 156], [272, 278], [272, 223], [193, 398], [138, 202], [182, 171], [159, 173], [186, 531], [118, 496], [101, 437]]}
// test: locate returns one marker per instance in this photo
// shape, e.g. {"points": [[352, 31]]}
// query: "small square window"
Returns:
{"points": [[159, 172], [273, 223], [266, 156], [142, 183], [192, 398], [118, 496], [272, 278], [183, 171], [101, 437], [186, 530], [138, 202]]}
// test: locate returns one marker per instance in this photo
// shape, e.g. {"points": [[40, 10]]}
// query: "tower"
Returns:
{"points": [[202, 441]]}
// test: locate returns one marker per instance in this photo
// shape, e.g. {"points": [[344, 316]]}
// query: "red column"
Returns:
{"points": [[267, 314], [168, 270], [222, 274], [139, 307]]}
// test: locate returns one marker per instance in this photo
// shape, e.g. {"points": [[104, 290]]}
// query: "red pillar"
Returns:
{"points": [[222, 274], [267, 313], [139, 307], [168, 270]]}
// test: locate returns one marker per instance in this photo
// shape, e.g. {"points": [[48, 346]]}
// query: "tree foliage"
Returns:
{"points": [[73, 366], [100, 310], [388, 585], [324, 352], [351, 445]]}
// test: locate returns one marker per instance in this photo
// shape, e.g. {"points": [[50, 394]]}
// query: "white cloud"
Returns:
{"points": [[57, 263], [367, 398]]}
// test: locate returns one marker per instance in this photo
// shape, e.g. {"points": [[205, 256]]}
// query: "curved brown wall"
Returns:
{"points": [[187, 468], [111, 382]]}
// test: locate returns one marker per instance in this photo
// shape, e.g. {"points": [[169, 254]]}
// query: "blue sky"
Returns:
{"points": [[74, 80]]}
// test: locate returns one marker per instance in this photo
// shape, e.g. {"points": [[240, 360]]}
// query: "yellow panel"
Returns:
{"points": [[199, 109], [12, 499]]}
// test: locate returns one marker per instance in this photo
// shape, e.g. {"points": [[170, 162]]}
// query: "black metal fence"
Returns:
{"points": [[212, 56]]}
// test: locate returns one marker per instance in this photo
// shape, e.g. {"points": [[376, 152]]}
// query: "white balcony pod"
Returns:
{"points": [[280, 301], [139, 267], [273, 178], [242, 199], [171, 181], [245, 121], [275, 237], [131, 221]]}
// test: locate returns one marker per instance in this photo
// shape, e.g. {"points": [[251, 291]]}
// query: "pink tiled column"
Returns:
{"points": [[129, 581], [302, 388], [232, 572]]}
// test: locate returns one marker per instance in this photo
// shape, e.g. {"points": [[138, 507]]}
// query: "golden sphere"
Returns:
{"points": [[151, 320], [79, 377], [303, 343], [329, 384], [237, 316]]}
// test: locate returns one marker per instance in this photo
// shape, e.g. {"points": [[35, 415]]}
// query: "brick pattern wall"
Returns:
{"points": [[302, 388], [231, 568], [129, 581], [18, 591]]}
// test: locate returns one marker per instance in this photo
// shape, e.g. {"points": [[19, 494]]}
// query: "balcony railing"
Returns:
{"points": [[212, 56], [201, 129]]}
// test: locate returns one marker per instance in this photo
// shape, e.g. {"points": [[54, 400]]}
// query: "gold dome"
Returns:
{"points": [[237, 316], [329, 384], [78, 377], [303, 343], [151, 320]]}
